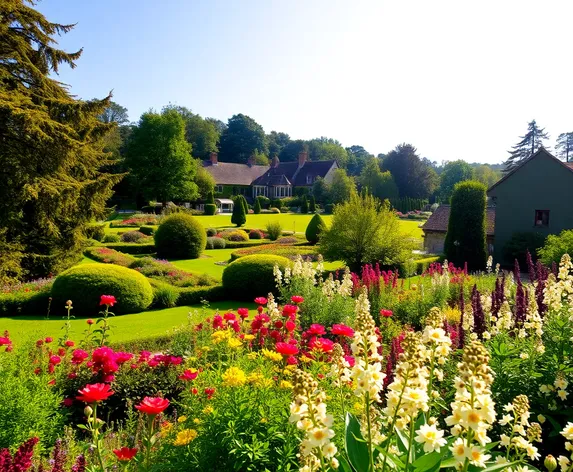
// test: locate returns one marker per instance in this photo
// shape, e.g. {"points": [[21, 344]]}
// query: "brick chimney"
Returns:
{"points": [[275, 162], [214, 159], [251, 161], [302, 157]]}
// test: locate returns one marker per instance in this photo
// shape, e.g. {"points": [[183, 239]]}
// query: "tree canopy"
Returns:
{"points": [[200, 133], [52, 182], [341, 188], [378, 183], [528, 145], [413, 177], [564, 146], [452, 173], [241, 139]]}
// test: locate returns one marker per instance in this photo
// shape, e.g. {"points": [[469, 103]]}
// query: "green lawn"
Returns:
{"points": [[124, 328]]}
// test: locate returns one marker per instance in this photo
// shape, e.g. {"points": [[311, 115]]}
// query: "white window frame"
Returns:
{"points": [[218, 189], [309, 179]]}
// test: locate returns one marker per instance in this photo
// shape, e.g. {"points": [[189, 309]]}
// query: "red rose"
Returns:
{"points": [[90, 322], [289, 310], [386, 313], [55, 360], [209, 391], [286, 349], [48, 340], [189, 374], [61, 352], [95, 393], [39, 342], [70, 343], [194, 391], [316, 329], [296, 299], [153, 405], [125, 454], [291, 360], [107, 300], [243, 312], [229, 316], [290, 326], [342, 330], [261, 301], [321, 344], [5, 342], [68, 402]]}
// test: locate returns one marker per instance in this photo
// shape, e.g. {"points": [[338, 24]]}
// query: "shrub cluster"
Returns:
{"points": [[274, 230], [180, 236], [133, 237], [215, 243]]}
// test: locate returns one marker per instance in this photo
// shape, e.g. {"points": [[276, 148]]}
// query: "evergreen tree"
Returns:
{"points": [[304, 205], [257, 206], [413, 176], [564, 146], [52, 182], [312, 205], [239, 216], [526, 147], [210, 198], [320, 190], [242, 137], [314, 228]]}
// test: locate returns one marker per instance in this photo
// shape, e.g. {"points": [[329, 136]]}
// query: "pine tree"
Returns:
{"points": [[52, 182], [564, 146], [304, 205], [239, 216], [312, 205], [529, 145]]}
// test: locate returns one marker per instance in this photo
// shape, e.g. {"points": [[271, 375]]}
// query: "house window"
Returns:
{"points": [[259, 190], [541, 218], [309, 179], [282, 191], [218, 189]]}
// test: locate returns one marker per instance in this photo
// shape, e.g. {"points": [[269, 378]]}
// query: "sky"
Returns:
{"points": [[457, 79]]}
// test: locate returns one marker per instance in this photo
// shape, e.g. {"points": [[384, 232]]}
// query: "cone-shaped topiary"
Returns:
{"points": [[180, 236], [314, 228], [85, 284], [257, 207], [312, 205], [210, 198], [239, 216], [304, 205]]}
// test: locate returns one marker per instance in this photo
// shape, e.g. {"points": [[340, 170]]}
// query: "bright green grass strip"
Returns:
{"points": [[124, 328]]}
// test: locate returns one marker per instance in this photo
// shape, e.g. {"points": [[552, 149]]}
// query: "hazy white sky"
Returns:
{"points": [[456, 78]]}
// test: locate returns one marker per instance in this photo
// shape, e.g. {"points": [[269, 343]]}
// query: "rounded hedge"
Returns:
{"points": [[255, 234], [314, 229], [211, 232], [215, 243], [210, 209], [85, 284], [252, 276], [147, 230], [180, 236]]}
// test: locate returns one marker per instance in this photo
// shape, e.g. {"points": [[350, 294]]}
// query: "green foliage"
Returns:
{"points": [[211, 232], [326, 149], [258, 270], [378, 183], [264, 201], [274, 230], [242, 138], [527, 146], [215, 243], [205, 182], [486, 175], [34, 301], [452, 173], [180, 236], [109, 256], [54, 181], [164, 295], [314, 228], [312, 204], [147, 230], [210, 198], [466, 236], [29, 406], [320, 190], [202, 134], [238, 235], [341, 188], [519, 244], [257, 207], [329, 208], [556, 246], [160, 160], [133, 248], [84, 285], [407, 204], [364, 230], [210, 208], [255, 234], [132, 237], [304, 205], [239, 216], [96, 232]]}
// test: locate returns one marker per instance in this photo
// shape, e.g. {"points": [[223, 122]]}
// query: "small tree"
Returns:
{"points": [[257, 206], [312, 205], [364, 230], [304, 205], [245, 204], [239, 216], [466, 236], [314, 228], [210, 198]]}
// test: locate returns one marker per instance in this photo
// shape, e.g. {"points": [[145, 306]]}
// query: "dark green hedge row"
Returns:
{"points": [[194, 295], [25, 303], [133, 248]]}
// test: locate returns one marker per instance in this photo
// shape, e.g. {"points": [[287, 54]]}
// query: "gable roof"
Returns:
{"points": [[439, 220], [289, 173], [230, 173], [540, 152]]}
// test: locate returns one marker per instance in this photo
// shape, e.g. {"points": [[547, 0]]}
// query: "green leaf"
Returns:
{"points": [[428, 462], [355, 445]]}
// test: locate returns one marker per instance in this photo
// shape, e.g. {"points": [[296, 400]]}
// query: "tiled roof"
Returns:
{"points": [[293, 174], [314, 169], [228, 173], [438, 222]]}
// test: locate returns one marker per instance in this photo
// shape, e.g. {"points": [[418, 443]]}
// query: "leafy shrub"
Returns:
{"points": [[164, 295], [555, 246], [255, 234], [96, 232], [314, 229], [329, 208], [211, 232], [238, 235], [109, 256], [274, 230], [264, 201], [312, 204], [133, 248], [132, 237], [210, 208], [29, 298], [91, 243], [288, 240], [276, 203], [180, 236], [111, 238], [195, 295], [216, 243], [519, 244], [135, 220], [147, 230], [275, 210], [239, 216], [292, 252], [257, 270], [466, 236], [304, 205], [257, 207], [84, 285]]}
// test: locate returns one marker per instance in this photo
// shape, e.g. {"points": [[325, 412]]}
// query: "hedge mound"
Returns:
{"points": [[180, 236], [314, 228], [252, 276], [84, 285]]}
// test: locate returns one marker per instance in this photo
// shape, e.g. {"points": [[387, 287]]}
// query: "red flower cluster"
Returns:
{"points": [[342, 330], [153, 405], [386, 313], [189, 375], [6, 341]]}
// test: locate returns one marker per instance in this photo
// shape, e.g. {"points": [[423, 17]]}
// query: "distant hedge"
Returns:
{"points": [[132, 248]]}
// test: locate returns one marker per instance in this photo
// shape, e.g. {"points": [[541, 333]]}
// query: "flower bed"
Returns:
{"points": [[279, 249]]}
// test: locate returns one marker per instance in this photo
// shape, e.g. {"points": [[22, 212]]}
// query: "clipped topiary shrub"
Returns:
{"points": [[85, 284], [210, 209], [239, 216], [164, 295], [180, 236], [255, 234], [304, 205], [252, 276], [132, 237], [257, 207], [274, 230], [238, 235], [314, 228], [147, 230], [111, 238], [211, 232], [215, 243], [96, 232]]}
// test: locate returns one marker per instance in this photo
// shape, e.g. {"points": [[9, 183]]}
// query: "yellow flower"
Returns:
{"points": [[305, 360], [234, 377], [196, 421], [185, 437], [182, 419], [165, 427], [249, 337], [219, 336], [208, 410], [264, 420], [286, 384], [272, 355], [234, 343], [252, 355], [255, 378]]}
